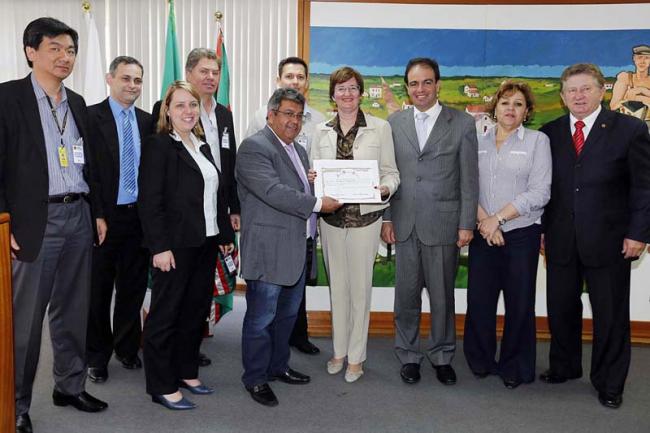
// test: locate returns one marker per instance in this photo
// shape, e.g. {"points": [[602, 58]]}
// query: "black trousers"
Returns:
{"points": [[180, 302], [123, 263], [299, 334], [512, 269], [609, 294]]}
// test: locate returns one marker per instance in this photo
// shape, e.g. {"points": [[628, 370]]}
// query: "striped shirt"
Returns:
{"points": [[62, 180], [518, 173]]}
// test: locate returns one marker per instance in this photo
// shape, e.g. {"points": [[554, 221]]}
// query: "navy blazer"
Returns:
{"points": [[602, 196], [24, 177], [170, 197]]}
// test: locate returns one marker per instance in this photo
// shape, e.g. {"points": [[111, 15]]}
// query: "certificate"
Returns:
{"points": [[347, 180]]}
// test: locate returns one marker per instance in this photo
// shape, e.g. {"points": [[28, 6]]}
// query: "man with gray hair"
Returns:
{"points": [[116, 130], [278, 227]]}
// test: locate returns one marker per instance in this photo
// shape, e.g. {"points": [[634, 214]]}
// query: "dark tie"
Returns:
{"points": [[579, 137], [297, 164], [128, 154]]}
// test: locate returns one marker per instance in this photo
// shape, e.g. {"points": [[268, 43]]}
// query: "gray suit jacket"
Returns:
{"points": [[438, 192], [274, 210]]}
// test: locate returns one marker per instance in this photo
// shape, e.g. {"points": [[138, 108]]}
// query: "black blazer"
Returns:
{"points": [[24, 178], [602, 196], [102, 132], [228, 156], [170, 197]]}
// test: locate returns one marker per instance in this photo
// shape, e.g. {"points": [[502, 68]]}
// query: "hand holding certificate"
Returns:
{"points": [[348, 181]]}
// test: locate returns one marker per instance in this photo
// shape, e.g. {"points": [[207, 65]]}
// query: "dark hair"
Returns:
{"points": [[46, 27], [292, 61], [123, 60], [282, 94], [509, 88], [582, 68], [424, 61], [341, 75]]}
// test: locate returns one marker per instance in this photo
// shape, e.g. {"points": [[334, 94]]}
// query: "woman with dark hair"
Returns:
{"points": [[183, 209], [514, 187], [350, 236]]}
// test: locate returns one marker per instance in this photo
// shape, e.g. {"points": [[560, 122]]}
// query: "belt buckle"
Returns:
{"points": [[67, 199]]}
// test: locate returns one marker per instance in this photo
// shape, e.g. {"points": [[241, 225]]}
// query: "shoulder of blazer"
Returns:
{"points": [[101, 109], [223, 113], [373, 122]]}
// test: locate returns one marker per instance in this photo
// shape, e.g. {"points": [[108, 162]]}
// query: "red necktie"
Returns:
{"points": [[579, 137]]}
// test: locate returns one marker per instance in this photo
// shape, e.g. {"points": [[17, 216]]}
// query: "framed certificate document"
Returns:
{"points": [[347, 180]]}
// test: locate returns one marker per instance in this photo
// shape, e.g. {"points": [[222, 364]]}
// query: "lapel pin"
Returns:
{"points": [[603, 125]]}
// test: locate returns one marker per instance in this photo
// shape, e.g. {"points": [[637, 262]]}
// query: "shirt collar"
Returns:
{"points": [[40, 93], [492, 131], [117, 109], [279, 139], [195, 140], [589, 120], [433, 112], [214, 105]]}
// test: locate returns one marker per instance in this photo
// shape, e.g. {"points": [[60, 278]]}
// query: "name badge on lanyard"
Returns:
{"points": [[225, 139], [63, 157]]}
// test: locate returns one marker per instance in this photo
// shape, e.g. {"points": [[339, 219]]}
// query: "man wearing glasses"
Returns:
{"points": [[278, 223]]}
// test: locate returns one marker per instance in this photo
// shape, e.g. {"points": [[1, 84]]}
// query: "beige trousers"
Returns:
{"points": [[349, 255]]}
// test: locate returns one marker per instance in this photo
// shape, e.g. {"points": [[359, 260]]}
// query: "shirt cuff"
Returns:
{"points": [[318, 205]]}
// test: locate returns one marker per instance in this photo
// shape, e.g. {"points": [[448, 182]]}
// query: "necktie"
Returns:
{"points": [[297, 164], [579, 137], [421, 128], [128, 155]]}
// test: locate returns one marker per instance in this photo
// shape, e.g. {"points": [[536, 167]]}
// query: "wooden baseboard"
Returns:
{"points": [[381, 325]]}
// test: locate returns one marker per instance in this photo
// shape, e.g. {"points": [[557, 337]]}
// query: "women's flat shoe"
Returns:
{"points": [[353, 376], [334, 367], [198, 390], [182, 404]]}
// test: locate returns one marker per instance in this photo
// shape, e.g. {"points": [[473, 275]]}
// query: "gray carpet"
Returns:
{"points": [[378, 402]]}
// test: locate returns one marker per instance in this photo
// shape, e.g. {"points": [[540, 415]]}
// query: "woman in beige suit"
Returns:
{"points": [[350, 236]]}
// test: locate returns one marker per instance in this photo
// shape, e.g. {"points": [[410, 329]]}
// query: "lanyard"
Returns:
{"points": [[60, 128]]}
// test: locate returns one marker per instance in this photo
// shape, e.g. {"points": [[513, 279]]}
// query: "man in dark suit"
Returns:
{"points": [[431, 216], [595, 224], [277, 226], [44, 183], [116, 130]]}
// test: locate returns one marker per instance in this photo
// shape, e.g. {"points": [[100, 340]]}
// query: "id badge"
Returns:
{"points": [[225, 139], [78, 152], [63, 157], [230, 264], [302, 139]]}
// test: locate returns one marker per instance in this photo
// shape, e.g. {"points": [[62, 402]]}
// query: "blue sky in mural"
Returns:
{"points": [[525, 53]]}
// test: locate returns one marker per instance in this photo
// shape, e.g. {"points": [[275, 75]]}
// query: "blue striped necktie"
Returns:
{"points": [[128, 154]]}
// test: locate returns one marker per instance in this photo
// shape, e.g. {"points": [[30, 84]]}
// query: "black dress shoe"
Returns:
{"points": [[23, 424], [98, 374], [410, 373], [204, 361], [612, 401], [130, 363], [83, 402], [549, 376], [307, 347], [292, 377], [263, 394], [445, 374], [182, 404], [511, 383]]}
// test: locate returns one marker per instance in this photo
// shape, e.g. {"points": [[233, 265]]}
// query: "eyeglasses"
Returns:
{"points": [[290, 114], [353, 90]]}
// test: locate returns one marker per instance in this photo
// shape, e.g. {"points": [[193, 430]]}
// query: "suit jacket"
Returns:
{"points": [[102, 131], [228, 155], [275, 208], [170, 197], [373, 141], [24, 177], [602, 196], [438, 193]]}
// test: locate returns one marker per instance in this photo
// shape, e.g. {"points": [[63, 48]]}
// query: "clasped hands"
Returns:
{"points": [[490, 231]]}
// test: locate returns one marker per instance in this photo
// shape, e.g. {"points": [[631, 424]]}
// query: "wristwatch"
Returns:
{"points": [[501, 219]]}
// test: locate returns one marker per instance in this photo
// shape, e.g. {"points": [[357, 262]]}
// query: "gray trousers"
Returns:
{"points": [[60, 277], [433, 267]]}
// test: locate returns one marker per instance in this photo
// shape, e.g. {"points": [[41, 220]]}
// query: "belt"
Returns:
{"points": [[126, 206], [65, 198]]}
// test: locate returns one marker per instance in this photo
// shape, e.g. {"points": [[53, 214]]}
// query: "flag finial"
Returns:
{"points": [[85, 5], [218, 15]]}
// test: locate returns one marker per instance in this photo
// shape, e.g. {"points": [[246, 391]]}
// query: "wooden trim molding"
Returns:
{"points": [[381, 325], [7, 390]]}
